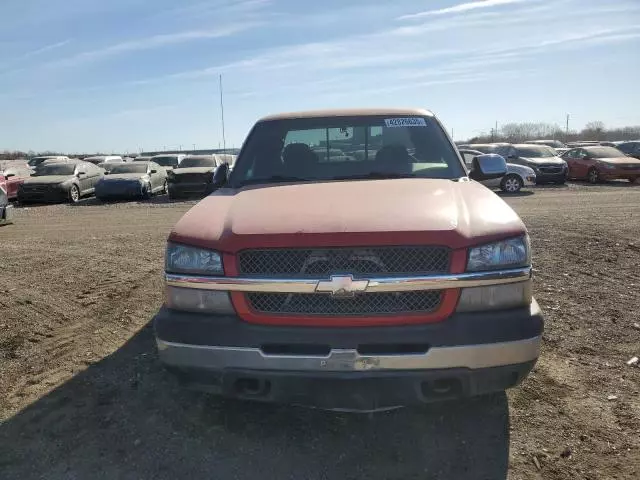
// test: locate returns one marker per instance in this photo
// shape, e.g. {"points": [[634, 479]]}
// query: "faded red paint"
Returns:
{"points": [[356, 213]]}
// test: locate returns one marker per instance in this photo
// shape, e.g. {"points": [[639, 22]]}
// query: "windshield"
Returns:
{"points": [[533, 151], [337, 148], [129, 168], [107, 166], [197, 162], [55, 169], [605, 152], [38, 160], [166, 161]]}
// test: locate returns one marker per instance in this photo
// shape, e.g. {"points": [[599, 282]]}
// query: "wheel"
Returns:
{"points": [[593, 176], [633, 179], [74, 194], [511, 183]]}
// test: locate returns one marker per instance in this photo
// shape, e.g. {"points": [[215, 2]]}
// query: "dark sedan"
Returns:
{"points": [[549, 167], [60, 182], [192, 177], [132, 180]]}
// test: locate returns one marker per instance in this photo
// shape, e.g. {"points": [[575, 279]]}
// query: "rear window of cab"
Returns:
{"points": [[326, 148]]}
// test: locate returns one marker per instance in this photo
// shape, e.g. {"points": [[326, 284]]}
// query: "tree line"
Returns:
{"points": [[521, 132]]}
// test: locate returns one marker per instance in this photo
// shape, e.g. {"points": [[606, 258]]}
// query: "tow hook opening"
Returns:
{"points": [[441, 387], [252, 387]]}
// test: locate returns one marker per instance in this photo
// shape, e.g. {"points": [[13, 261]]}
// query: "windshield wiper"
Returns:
{"points": [[274, 179], [376, 176]]}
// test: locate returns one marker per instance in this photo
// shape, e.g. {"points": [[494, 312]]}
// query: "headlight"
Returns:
{"points": [[495, 297], [198, 261], [511, 253], [199, 301]]}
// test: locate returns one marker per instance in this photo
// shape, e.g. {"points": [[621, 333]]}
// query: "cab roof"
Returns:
{"points": [[356, 112]]}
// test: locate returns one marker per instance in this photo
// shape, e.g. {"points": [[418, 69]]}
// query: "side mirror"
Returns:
{"points": [[220, 175], [9, 175], [153, 171], [106, 172], [486, 167], [81, 174]]}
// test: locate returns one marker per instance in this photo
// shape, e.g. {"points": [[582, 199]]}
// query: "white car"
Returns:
{"points": [[517, 177]]}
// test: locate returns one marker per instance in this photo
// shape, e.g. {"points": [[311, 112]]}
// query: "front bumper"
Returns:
{"points": [[360, 368], [619, 174], [120, 190], [189, 189], [6, 214], [542, 177], [49, 195]]}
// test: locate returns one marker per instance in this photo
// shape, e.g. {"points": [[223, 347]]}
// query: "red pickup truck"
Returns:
{"points": [[350, 262]]}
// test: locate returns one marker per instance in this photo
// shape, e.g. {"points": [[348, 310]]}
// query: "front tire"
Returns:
{"points": [[511, 184], [593, 176], [74, 194]]}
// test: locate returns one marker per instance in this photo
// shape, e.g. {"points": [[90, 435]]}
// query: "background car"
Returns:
{"points": [[544, 161], [630, 148], [98, 159], [14, 175], [193, 176], [517, 176], [501, 149], [107, 167], [549, 143], [6, 209], [60, 182], [132, 180], [168, 161], [36, 161], [597, 163]]}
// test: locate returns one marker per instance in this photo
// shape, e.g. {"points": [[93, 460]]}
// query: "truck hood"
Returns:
{"points": [[203, 170], [343, 213], [124, 176], [48, 180]]}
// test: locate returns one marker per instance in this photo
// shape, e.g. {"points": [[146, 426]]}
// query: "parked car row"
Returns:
{"points": [[592, 161], [54, 179]]}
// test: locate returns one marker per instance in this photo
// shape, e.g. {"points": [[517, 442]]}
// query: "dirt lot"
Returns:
{"points": [[82, 395]]}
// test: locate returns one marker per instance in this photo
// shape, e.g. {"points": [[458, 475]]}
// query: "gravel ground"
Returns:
{"points": [[82, 394]]}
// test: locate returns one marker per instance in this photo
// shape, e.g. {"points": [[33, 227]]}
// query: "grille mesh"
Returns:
{"points": [[365, 304], [321, 263]]}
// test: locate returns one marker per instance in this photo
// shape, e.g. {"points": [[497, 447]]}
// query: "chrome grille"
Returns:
{"points": [[327, 305], [322, 262]]}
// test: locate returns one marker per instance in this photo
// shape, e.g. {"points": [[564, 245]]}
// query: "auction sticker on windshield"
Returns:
{"points": [[405, 122]]}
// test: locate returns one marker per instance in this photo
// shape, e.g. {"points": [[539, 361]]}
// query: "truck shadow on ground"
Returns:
{"points": [[125, 417]]}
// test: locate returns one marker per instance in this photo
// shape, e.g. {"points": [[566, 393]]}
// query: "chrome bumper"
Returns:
{"points": [[373, 285], [347, 360]]}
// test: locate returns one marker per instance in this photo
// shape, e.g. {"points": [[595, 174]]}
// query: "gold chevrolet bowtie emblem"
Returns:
{"points": [[342, 286]]}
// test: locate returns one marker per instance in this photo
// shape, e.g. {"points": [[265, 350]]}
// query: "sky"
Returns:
{"points": [[131, 75]]}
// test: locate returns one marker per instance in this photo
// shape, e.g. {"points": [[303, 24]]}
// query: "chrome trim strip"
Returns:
{"points": [[376, 284], [346, 360]]}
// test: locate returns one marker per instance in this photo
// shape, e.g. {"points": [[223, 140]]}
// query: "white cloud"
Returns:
{"points": [[152, 42], [462, 7], [46, 48]]}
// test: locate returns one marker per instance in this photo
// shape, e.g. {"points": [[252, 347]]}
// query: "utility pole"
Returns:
{"points": [[194, 147], [224, 140], [496, 130], [567, 124]]}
